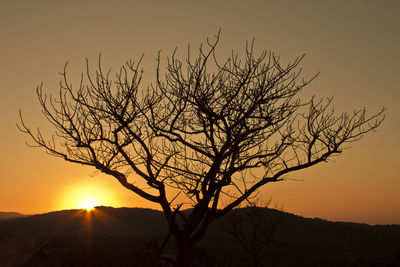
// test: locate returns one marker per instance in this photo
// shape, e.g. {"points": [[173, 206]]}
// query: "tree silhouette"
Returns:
{"points": [[206, 135], [253, 226]]}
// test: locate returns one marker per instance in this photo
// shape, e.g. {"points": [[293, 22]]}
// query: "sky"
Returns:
{"points": [[353, 43]]}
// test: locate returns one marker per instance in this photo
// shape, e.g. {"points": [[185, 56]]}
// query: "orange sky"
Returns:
{"points": [[354, 43]]}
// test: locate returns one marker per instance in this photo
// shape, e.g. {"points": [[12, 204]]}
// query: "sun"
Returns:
{"points": [[88, 203], [86, 195]]}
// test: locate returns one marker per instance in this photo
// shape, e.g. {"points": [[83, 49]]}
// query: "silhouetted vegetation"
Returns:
{"points": [[253, 227], [206, 135], [132, 237]]}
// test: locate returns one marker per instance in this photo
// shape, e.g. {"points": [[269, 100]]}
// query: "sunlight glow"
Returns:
{"points": [[86, 196], [89, 203]]}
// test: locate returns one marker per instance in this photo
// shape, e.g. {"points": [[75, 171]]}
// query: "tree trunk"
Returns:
{"points": [[255, 258], [184, 250]]}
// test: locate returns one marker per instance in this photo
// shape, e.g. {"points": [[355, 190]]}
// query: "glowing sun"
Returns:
{"points": [[88, 203], [86, 194]]}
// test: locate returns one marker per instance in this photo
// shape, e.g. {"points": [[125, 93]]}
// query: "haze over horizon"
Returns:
{"points": [[355, 44]]}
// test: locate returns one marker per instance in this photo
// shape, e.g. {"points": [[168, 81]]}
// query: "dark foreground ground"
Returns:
{"points": [[132, 237]]}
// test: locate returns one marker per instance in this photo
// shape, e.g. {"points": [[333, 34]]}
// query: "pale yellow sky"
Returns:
{"points": [[355, 44]]}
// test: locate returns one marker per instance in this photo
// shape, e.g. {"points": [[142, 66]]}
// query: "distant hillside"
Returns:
{"points": [[10, 215], [132, 237]]}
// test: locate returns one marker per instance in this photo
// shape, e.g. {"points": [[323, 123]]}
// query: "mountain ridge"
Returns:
{"points": [[122, 236], [4, 215]]}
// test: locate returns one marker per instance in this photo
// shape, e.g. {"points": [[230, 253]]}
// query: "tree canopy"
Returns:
{"points": [[206, 134]]}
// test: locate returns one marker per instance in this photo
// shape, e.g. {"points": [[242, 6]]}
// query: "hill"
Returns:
{"points": [[10, 215], [132, 237]]}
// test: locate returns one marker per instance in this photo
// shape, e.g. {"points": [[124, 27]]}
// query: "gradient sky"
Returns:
{"points": [[354, 43]]}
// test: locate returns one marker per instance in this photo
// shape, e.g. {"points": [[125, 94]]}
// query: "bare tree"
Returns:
{"points": [[196, 138], [253, 226]]}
